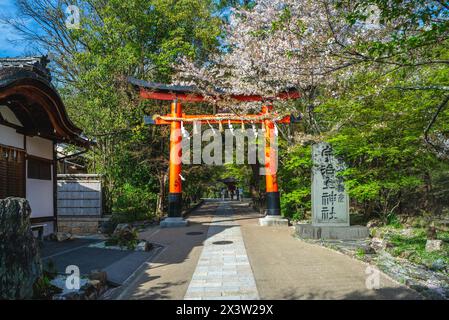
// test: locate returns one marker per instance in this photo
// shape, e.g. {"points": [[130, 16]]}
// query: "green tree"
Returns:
{"points": [[117, 39]]}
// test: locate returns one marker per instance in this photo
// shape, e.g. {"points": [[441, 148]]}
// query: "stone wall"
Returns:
{"points": [[79, 225]]}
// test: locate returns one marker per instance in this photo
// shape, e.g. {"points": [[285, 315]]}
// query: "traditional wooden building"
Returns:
{"points": [[33, 120]]}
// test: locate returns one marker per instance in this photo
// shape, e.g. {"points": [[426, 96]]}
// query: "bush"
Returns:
{"points": [[42, 288], [295, 181], [393, 221], [126, 238], [134, 204], [414, 246]]}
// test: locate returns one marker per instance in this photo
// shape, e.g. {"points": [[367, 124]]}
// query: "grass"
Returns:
{"points": [[360, 254], [412, 247]]}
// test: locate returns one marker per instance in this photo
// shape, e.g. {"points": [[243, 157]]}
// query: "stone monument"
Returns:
{"points": [[330, 201]]}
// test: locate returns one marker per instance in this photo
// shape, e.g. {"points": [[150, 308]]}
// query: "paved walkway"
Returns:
{"points": [[282, 267], [119, 264], [288, 268], [223, 270]]}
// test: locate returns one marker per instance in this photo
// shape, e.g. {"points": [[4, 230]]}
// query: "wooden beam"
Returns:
{"points": [[194, 97], [155, 120]]}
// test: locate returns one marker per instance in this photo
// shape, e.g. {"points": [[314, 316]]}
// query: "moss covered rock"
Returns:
{"points": [[20, 263]]}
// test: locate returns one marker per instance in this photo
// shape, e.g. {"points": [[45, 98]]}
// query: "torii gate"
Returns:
{"points": [[176, 94]]}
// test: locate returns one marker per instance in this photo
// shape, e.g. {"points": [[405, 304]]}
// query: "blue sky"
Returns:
{"points": [[9, 46]]}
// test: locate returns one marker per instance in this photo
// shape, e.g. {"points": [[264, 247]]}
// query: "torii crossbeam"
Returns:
{"points": [[176, 94]]}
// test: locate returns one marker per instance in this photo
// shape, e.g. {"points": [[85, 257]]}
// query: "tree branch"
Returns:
{"points": [[433, 120]]}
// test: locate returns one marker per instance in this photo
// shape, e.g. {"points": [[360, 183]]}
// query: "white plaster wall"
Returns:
{"points": [[40, 192], [40, 147], [9, 137], [48, 228], [40, 196]]}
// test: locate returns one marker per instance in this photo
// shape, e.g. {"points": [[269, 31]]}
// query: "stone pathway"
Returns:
{"points": [[223, 270], [224, 253]]}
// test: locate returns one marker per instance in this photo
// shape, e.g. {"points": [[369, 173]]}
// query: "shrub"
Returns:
{"points": [[124, 239], [43, 289], [133, 204]]}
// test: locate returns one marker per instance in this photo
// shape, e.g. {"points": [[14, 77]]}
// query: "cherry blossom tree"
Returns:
{"points": [[280, 44]]}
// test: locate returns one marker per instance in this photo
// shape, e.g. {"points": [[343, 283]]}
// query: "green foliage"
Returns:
{"points": [[380, 139], [49, 269], [360, 253], [413, 247], [294, 175], [129, 241], [393, 221], [134, 203], [413, 27], [117, 39], [374, 123], [43, 289]]}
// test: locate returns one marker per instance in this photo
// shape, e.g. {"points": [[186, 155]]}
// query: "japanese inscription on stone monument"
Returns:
{"points": [[330, 202]]}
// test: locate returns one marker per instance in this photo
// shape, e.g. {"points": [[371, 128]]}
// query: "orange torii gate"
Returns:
{"points": [[176, 94]]}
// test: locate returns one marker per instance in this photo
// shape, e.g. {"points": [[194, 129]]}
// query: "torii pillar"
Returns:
{"points": [[273, 210], [175, 218]]}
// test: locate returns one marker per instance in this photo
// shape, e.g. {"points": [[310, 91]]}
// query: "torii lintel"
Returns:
{"points": [[160, 91]]}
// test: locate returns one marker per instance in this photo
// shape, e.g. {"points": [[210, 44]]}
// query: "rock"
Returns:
{"points": [[63, 236], [407, 232], [95, 284], [92, 296], [72, 295], [107, 227], [431, 233], [442, 225], [405, 254], [124, 231], [377, 244], [122, 227], [88, 288], [144, 246], [20, 262], [374, 223], [416, 222], [438, 265], [367, 249], [434, 245], [91, 289], [53, 237], [389, 245], [381, 244], [101, 276]]}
